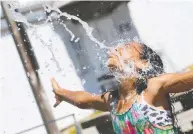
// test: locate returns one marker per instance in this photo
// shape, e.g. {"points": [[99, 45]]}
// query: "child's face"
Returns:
{"points": [[120, 57]]}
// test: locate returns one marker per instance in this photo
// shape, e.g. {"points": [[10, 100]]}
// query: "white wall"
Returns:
{"points": [[18, 108], [166, 25]]}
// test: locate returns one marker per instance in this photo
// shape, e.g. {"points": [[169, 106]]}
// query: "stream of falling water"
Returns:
{"points": [[85, 25], [128, 68], [21, 18]]}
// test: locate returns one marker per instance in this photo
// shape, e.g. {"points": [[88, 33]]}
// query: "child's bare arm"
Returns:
{"points": [[81, 99], [177, 82]]}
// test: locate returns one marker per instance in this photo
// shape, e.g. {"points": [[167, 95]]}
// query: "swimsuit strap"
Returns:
{"points": [[135, 100], [112, 104], [142, 96]]}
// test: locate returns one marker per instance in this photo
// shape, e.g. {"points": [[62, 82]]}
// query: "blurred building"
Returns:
{"points": [[77, 63]]}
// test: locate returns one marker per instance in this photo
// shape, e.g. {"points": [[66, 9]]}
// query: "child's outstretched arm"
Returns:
{"points": [[81, 99], [177, 82]]}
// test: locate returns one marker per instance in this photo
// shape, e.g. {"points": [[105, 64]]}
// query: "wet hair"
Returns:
{"points": [[155, 69]]}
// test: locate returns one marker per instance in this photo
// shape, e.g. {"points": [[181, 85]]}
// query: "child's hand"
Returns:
{"points": [[57, 91]]}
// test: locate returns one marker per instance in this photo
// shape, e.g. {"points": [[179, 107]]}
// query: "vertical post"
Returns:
{"points": [[30, 65], [77, 125]]}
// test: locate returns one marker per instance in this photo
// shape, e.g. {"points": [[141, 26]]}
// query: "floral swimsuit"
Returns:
{"points": [[142, 118]]}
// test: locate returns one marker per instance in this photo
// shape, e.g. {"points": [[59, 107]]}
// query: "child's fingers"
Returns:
{"points": [[54, 83], [56, 104]]}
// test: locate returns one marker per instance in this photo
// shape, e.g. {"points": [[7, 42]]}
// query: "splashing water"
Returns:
{"points": [[16, 16], [77, 39], [21, 18], [128, 68], [68, 30], [85, 25]]}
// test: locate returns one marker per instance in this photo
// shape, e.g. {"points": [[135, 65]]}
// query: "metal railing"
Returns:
{"points": [[77, 125]]}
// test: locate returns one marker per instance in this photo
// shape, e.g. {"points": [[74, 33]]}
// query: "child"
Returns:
{"points": [[141, 104]]}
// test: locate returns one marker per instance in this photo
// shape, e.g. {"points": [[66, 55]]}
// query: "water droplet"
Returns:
{"points": [[84, 68], [83, 81], [46, 65], [77, 40]]}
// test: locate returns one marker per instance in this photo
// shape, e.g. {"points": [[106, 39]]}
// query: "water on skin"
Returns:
{"points": [[128, 67]]}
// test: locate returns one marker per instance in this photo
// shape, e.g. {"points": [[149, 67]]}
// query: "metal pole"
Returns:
{"points": [[77, 126], [30, 65]]}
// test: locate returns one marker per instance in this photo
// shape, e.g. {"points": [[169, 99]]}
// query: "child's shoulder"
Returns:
{"points": [[154, 85]]}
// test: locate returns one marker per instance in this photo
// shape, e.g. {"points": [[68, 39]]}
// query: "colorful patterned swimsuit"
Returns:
{"points": [[142, 118]]}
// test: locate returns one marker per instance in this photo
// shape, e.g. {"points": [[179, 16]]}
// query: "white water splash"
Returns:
{"points": [[20, 18], [83, 81], [85, 25], [68, 30], [128, 68], [49, 47], [77, 39], [16, 16]]}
